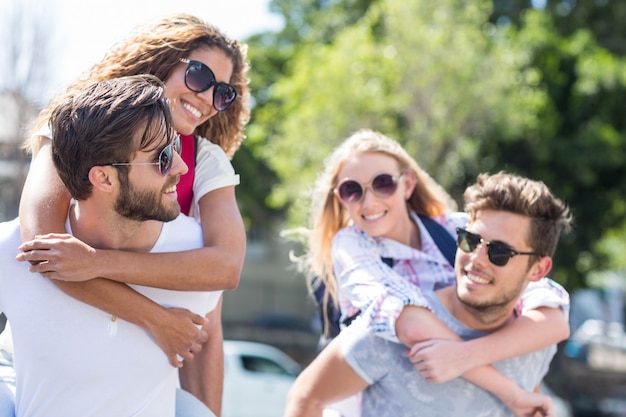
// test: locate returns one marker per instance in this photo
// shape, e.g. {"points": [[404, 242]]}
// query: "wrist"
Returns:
{"points": [[101, 263], [490, 379], [153, 319], [509, 393], [474, 353]]}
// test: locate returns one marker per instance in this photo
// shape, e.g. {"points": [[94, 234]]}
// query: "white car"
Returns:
{"points": [[257, 378]]}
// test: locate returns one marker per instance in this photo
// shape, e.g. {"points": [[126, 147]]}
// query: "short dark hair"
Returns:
{"points": [[506, 192], [98, 124]]}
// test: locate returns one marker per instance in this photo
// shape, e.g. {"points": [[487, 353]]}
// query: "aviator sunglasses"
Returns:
{"points": [[497, 252], [199, 78], [166, 157], [383, 186]]}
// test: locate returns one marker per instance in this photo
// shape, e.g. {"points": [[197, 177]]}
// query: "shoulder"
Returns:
{"points": [[451, 220], [207, 150], [351, 236], [370, 356], [182, 223], [213, 169], [39, 137]]}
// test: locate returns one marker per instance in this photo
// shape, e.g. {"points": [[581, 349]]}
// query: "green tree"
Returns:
{"points": [[603, 18], [431, 74], [271, 54], [579, 145]]}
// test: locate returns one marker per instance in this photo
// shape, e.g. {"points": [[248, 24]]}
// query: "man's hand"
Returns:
{"points": [[530, 404], [179, 335], [440, 360], [59, 256]]}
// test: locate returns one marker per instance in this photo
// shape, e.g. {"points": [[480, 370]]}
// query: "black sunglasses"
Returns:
{"points": [[199, 78], [383, 186], [166, 157], [497, 252]]}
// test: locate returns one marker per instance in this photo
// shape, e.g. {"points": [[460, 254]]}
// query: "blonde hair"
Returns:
{"points": [[156, 49], [327, 216]]}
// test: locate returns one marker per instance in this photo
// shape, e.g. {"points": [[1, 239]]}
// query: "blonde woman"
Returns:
{"points": [[370, 248]]}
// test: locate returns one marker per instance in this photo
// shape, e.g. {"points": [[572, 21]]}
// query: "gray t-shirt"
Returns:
{"points": [[397, 390]]}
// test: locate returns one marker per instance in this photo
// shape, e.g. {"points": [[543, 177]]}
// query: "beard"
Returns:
{"points": [[491, 307], [143, 205], [496, 306]]}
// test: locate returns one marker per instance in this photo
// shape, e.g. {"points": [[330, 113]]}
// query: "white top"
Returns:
{"points": [[71, 359], [213, 170]]}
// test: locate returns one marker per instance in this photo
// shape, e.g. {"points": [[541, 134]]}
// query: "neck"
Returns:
{"points": [[105, 229], [408, 233], [484, 319]]}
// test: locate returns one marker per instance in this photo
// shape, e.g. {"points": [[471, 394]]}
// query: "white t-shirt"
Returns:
{"points": [[213, 170], [71, 359]]}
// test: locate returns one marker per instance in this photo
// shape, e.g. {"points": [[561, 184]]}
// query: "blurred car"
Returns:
{"points": [[589, 370], [257, 378], [280, 321]]}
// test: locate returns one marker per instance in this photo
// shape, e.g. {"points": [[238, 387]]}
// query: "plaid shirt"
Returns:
{"points": [[379, 292]]}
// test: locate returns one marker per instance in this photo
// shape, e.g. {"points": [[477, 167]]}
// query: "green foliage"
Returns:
{"points": [[423, 72], [578, 148], [603, 18]]}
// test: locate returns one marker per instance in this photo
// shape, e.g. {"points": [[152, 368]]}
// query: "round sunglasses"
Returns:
{"points": [[383, 186], [199, 78], [166, 157], [497, 252]]}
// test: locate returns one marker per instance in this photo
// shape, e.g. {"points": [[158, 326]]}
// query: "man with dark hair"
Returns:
{"points": [[507, 245], [117, 153]]}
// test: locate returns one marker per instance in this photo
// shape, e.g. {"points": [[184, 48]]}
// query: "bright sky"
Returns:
{"points": [[86, 29]]}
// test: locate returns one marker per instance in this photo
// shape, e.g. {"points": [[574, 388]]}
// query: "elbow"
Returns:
{"points": [[412, 325], [232, 282], [299, 403], [409, 335], [224, 276], [233, 275], [406, 334], [565, 331], [227, 280], [560, 328]]}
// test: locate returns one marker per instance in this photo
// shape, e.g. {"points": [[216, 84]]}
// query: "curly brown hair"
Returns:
{"points": [[156, 48]]}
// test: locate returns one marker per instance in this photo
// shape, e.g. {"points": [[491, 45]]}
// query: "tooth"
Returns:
{"points": [[193, 110], [477, 280], [373, 216]]}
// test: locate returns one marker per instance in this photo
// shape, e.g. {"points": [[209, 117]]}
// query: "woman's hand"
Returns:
{"points": [[440, 360], [59, 256], [179, 334], [530, 404]]}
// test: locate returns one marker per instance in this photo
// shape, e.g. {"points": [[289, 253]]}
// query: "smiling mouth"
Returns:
{"points": [[476, 279], [375, 216], [171, 189], [192, 110]]}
